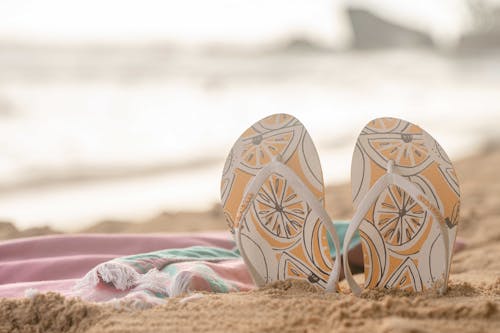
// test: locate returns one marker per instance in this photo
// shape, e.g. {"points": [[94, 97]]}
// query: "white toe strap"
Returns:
{"points": [[390, 178], [276, 166]]}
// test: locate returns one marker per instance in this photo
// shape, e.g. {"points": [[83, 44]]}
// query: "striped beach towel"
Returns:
{"points": [[150, 278]]}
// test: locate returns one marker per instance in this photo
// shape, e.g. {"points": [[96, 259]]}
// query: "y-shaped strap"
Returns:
{"points": [[276, 166], [391, 178]]}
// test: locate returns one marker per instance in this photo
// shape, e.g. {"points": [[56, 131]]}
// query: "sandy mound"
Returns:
{"points": [[286, 307]]}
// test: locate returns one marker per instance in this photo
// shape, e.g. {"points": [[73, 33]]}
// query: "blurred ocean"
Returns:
{"points": [[96, 132]]}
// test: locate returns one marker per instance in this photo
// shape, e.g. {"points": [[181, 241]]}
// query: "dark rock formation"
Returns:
{"points": [[372, 32]]}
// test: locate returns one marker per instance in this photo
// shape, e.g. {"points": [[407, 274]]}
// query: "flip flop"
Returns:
{"points": [[407, 199], [272, 195]]}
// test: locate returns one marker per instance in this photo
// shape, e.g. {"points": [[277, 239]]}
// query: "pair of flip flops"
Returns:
{"points": [[405, 193]]}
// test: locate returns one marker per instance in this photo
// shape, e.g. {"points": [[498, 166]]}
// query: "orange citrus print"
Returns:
{"points": [[402, 243], [320, 250], [373, 269], [405, 277], [275, 135], [277, 121], [260, 150], [397, 216], [281, 237], [383, 125], [280, 209], [407, 150], [292, 270], [289, 232]]}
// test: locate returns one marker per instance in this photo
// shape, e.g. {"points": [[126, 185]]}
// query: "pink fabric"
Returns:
{"points": [[57, 262], [19, 289]]}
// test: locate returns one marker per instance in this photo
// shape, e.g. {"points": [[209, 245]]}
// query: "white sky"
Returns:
{"points": [[195, 21], [190, 21]]}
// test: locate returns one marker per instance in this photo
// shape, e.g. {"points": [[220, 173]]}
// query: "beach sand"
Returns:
{"points": [[472, 303]]}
